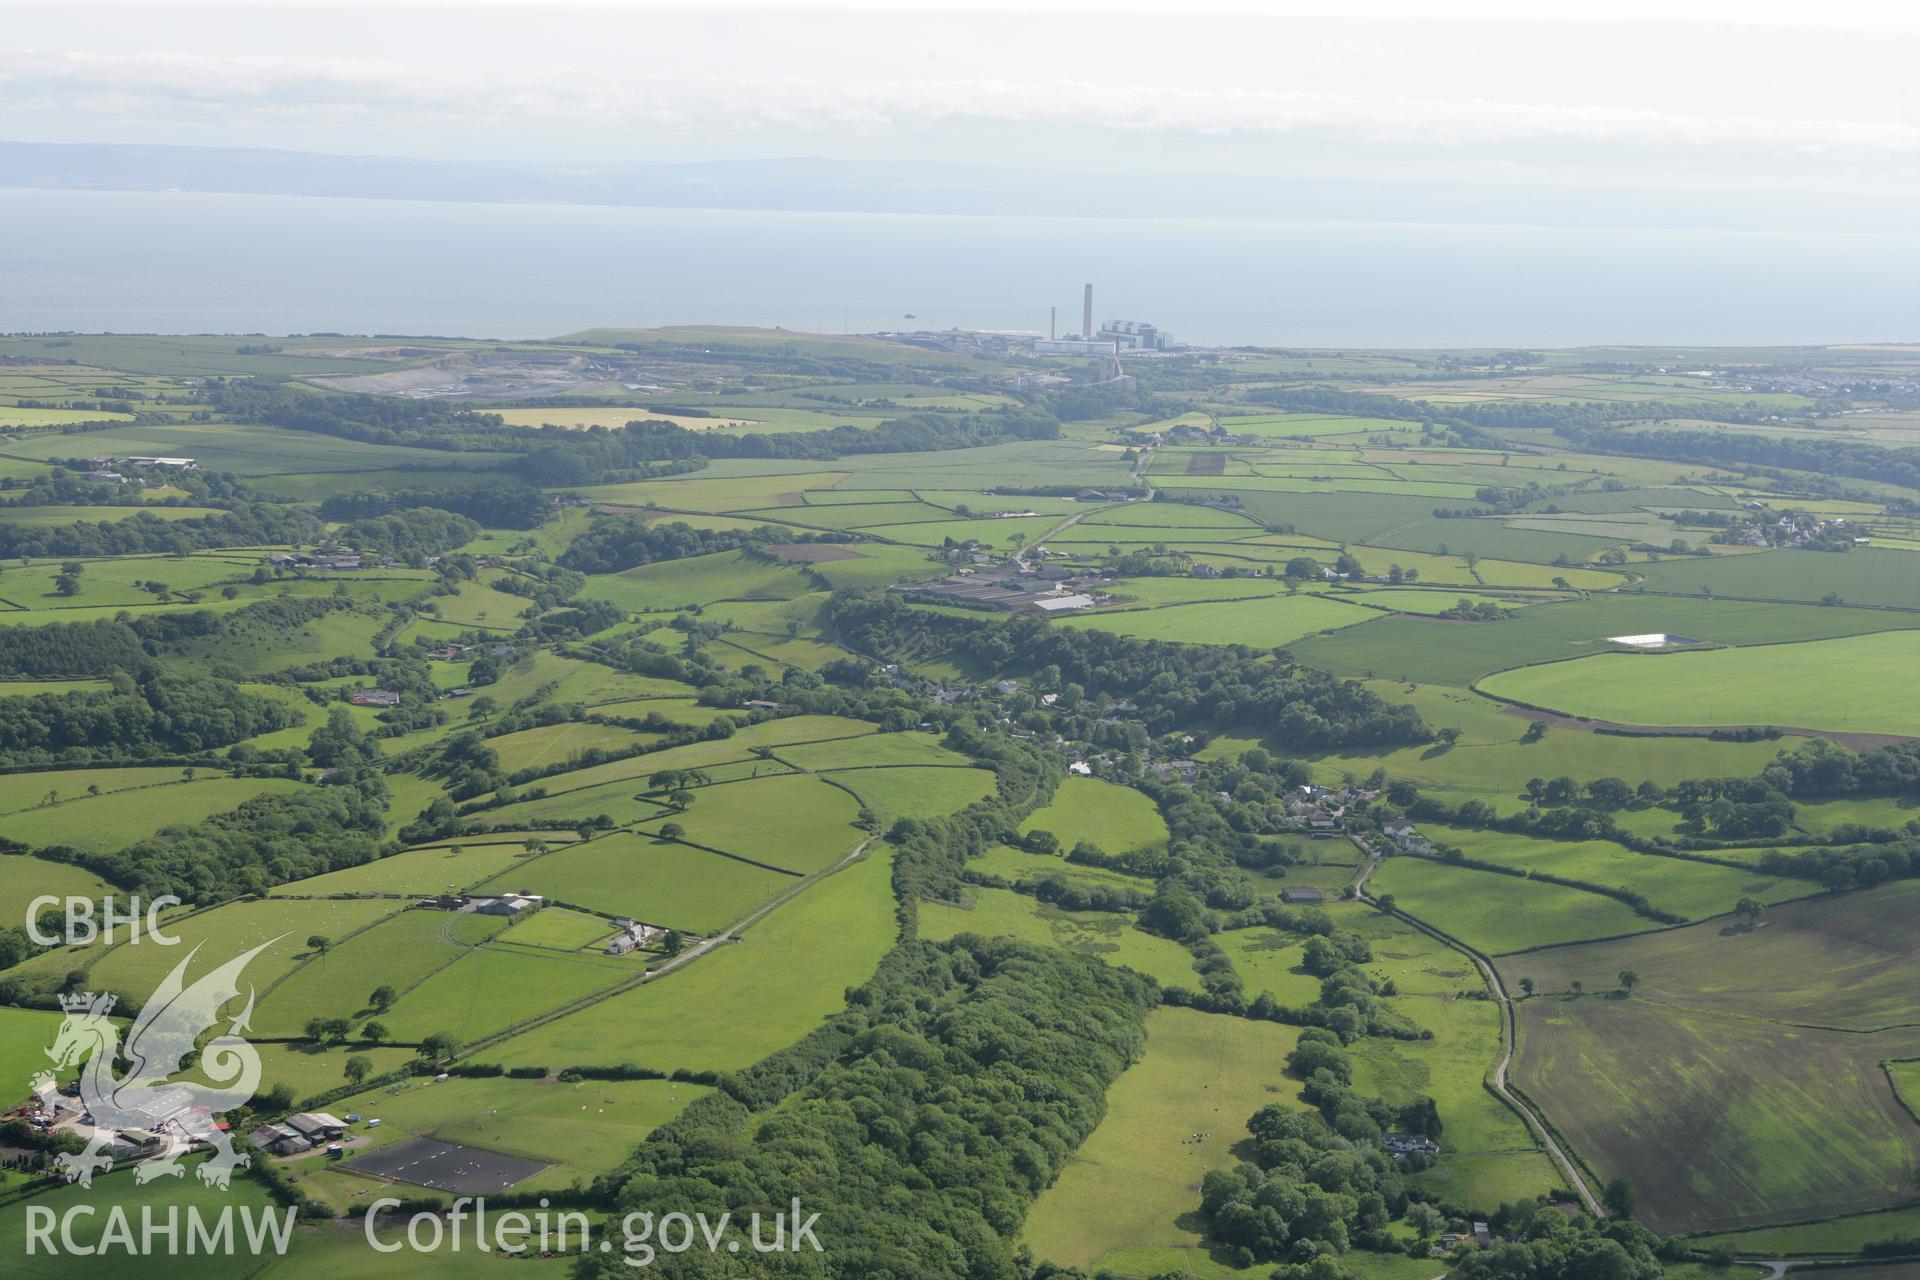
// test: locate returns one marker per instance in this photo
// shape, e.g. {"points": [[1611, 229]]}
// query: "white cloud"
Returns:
{"points": [[397, 94]]}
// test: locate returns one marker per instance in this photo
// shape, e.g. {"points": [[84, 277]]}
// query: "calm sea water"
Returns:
{"points": [[185, 263]]}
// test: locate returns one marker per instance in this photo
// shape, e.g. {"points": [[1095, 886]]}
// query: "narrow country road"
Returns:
{"points": [[1508, 1036]]}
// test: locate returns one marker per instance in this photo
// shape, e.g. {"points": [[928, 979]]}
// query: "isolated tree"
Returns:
{"points": [[1752, 908], [1576, 986], [672, 831], [319, 942], [1619, 1197], [382, 999], [441, 1044], [358, 1068], [1385, 902], [1526, 985], [673, 942], [1425, 1220], [1629, 979], [374, 1032], [67, 581], [679, 799]]}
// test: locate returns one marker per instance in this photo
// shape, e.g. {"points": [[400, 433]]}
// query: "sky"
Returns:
{"points": [[1753, 97]]}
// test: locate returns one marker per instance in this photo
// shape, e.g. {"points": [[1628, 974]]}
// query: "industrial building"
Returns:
{"points": [[1135, 335]]}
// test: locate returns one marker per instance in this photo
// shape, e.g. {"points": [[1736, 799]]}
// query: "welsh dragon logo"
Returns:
{"points": [[158, 1046]]}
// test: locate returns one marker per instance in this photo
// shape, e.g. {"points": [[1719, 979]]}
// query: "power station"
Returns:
{"points": [[1110, 339]]}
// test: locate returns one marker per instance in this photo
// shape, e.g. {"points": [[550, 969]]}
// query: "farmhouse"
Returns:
{"points": [[632, 934], [1400, 1145]]}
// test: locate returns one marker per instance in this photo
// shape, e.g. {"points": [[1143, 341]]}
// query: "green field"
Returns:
{"points": [[1853, 685], [1132, 1184], [1458, 654], [741, 1002], [1498, 913], [1268, 622], [1102, 934], [1118, 819], [659, 881], [1864, 940], [1720, 1122], [336, 984]]}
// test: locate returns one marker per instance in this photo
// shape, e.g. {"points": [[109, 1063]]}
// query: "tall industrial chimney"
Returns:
{"points": [[1086, 316], [1053, 319]]}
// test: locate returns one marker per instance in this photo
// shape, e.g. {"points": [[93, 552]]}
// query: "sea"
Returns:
{"points": [[176, 262]]}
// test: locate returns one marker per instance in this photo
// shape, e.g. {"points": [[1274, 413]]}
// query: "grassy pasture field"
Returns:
{"points": [[397, 952], [226, 931], [490, 988], [1104, 935], [1491, 763], [1832, 1235], [158, 1197], [419, 872], [1018, 864], [551, 744], [1269, 961], [1264, 622], [1498, 913], [907, 790], [561, 929], [659, 881], [744, 1000], [1863, 576], [1854, 684], [117, 819], [1460, 653], [1118, 819], [24, 877], [674, 584], [792, 822], [24, 1037], [1677, 885], [1719, 1122], [1132, 1183], [580, 1128], [1861, 942], [870, 750]]}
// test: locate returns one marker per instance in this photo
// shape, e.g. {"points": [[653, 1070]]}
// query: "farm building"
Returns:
{"points": [[316, 1126], [511, 904], [1302, 893], [374, 698], [280, 1139]]}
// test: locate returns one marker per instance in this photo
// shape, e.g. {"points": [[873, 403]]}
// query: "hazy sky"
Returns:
{"points": [[1799, 96]]}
